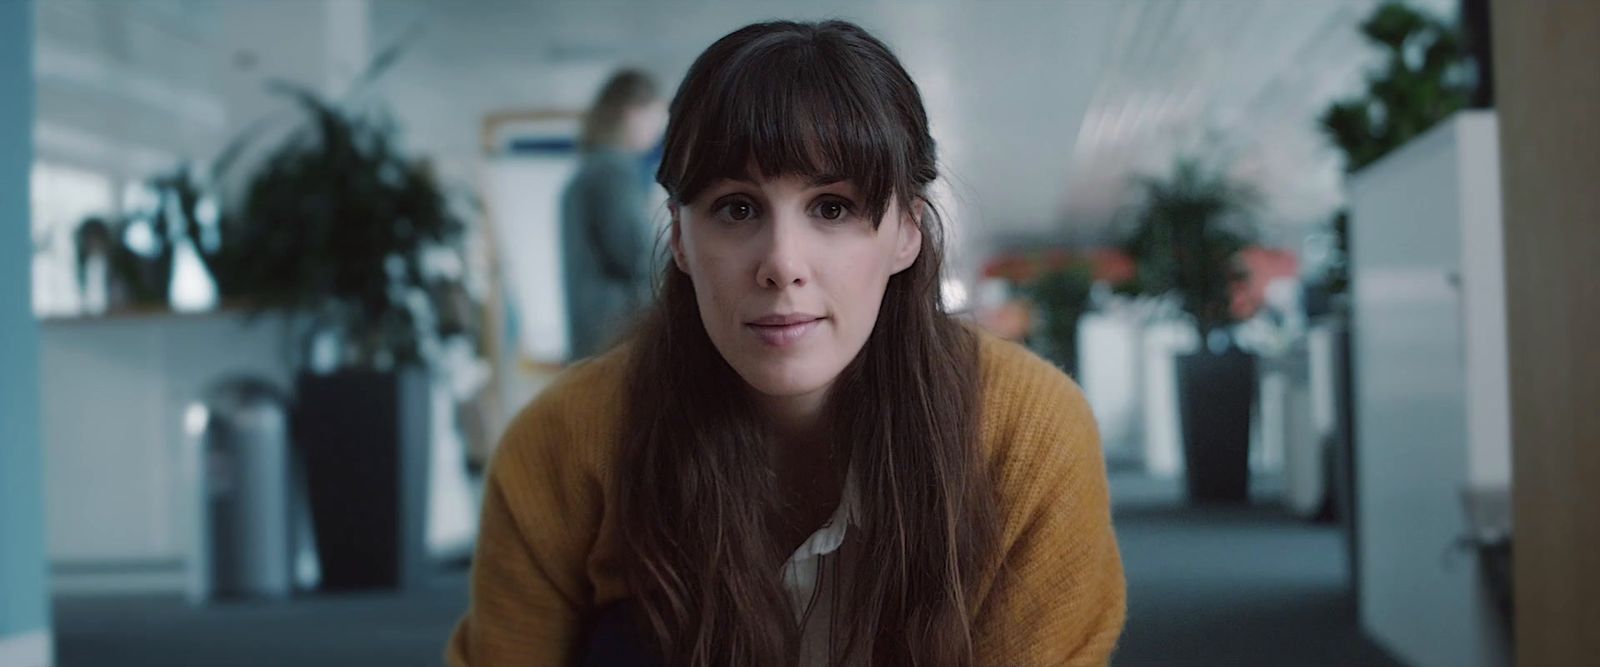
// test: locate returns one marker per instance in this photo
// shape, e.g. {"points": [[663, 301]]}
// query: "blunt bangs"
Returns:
{"points": [[791, 103]]}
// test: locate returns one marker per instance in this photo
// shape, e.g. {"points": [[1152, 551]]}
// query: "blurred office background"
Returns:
{"points": [[1322, 275]]}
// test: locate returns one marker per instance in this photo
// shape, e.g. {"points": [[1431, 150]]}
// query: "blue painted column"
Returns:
{"points": [[25, 639]]}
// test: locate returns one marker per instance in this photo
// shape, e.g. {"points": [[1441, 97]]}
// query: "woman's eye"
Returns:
{"points": [[738, 210], [833, 209]]}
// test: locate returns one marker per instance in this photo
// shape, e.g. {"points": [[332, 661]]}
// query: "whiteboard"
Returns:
{"points": [[523, 196]]}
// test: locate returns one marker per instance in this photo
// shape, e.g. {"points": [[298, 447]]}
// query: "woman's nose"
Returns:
{"points": [[783, 260]]}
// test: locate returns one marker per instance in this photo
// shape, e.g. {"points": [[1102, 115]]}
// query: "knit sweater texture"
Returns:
{"points": [[548, 549]]}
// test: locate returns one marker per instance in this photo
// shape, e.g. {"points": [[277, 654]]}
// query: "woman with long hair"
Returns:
{"points": [[605, 226], [798, 458]]}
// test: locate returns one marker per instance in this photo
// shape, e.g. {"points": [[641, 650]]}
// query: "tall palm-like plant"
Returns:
{"points": [[1189, 230], [1186, 240]]}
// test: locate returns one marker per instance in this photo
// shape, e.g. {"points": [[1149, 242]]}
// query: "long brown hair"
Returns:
{"points": [[696, 488]]}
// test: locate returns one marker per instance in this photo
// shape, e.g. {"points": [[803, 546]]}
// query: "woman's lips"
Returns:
{"points": [[783, 335]]}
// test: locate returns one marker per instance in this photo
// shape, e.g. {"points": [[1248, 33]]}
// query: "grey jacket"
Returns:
{"points": [[605, 249]]}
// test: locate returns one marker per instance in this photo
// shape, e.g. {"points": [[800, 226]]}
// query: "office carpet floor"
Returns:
{"points": [[1223, 587], [1238, 586]]}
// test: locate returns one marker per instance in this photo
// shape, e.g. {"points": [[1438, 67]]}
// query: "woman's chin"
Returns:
{"points": [[786, 378]]}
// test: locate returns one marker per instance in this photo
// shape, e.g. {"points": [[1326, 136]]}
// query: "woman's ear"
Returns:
{"points": [[675, 237], [909, 242]]}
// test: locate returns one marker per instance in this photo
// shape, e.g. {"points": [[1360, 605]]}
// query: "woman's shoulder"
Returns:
{"points": [[1064, 595], [1016, 380], [573, 421], [1033, 414]]}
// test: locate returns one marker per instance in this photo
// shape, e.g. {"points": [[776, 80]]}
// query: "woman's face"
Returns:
{"points": [[789, 275]]}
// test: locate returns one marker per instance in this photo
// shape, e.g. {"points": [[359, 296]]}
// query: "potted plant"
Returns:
{"points": [[1054, 287], [1426, 77], [338, 228], [1188, 231], [1060, 296]]}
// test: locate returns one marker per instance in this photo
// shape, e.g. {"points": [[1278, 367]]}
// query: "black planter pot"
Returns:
{"points": [[364, 436], [1215, 395]]}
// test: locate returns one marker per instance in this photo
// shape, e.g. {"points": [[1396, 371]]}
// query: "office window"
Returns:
{"points": [[62, 197]]}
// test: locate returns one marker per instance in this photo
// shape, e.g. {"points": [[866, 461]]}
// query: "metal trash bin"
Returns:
{"points": [[245, 493]]}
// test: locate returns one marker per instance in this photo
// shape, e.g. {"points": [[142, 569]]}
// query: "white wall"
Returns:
{"points": [[1429, 388], [114, 393]]}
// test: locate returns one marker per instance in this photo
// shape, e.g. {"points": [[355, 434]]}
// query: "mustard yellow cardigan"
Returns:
{"points": [[548, 550]]}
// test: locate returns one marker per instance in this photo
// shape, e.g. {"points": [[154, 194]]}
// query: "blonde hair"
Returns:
{"points": [[626, 89]]}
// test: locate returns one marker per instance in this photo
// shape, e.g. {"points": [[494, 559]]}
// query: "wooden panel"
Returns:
{"points": [[1547, 69]]}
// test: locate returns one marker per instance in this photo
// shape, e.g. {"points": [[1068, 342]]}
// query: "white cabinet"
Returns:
{"points": [[1110, 345], [1430, 388]]}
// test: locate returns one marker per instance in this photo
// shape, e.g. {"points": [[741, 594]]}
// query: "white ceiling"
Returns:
{"points": [[1042, 109]]}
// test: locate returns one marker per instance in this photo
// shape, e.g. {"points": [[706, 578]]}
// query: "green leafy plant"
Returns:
{"points": [[1060, 296], [1426, 76], [1336, 270], [338, 224], [1188, 230]]}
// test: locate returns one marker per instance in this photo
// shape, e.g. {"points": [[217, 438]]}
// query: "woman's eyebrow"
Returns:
{"points": [[821, 180]]}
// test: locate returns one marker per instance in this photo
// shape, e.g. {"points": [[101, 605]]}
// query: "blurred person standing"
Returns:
{"points": [[605, 231]]}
